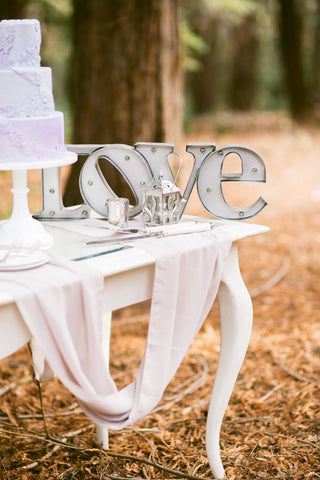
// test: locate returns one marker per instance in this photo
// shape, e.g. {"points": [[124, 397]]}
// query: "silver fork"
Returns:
{"points": [[15, 247]]}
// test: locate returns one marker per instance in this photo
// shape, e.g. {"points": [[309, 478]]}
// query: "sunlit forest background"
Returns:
{"points": [[149, 70], [237, 55], [127, 71], [225, 71]]}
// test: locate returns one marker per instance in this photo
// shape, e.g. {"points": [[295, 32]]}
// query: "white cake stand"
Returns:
{"points": [[21, 226]]}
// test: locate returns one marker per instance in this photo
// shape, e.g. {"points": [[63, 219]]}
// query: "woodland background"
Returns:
{"points": [[144, 70], [236, 71]]}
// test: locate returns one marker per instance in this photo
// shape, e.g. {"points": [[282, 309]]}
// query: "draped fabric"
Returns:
{"points": [[61, 303]]}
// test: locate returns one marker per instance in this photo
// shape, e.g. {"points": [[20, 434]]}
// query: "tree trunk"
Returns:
{"points": [[12, 9], [127, 76], [316, 56], [244, 65], [290, 34], [202, 84]]}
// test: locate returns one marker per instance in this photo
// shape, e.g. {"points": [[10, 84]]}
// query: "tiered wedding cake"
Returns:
{"points": [[30, 128]]}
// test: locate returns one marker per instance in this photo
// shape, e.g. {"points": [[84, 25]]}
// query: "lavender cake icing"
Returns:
{"points": [[30, 128]]}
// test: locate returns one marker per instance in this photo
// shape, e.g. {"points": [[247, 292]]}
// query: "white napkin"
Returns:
{"points": [[61, 303]]}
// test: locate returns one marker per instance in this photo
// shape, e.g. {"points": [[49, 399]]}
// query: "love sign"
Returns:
{"points": [[139, 164]]}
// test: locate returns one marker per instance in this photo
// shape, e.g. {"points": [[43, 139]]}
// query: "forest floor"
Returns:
{"points": [[271, 429]]}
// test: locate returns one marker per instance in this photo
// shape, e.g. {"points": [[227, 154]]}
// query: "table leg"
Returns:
{"points": [[102, 432], [236, 323]]}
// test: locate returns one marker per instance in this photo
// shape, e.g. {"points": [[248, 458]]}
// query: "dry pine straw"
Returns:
{"points": [[271, 427]]}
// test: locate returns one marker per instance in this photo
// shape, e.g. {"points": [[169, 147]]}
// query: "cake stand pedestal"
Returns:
{"points": [[21, 226]]}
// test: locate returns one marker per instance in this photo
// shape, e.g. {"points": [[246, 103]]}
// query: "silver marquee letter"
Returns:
{"points": [[211, 176]]}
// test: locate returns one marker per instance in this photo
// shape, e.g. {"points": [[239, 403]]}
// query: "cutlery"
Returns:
{"points": [[109, 226], [159, 231], [125, 239], [17, 249], [14, 248]]}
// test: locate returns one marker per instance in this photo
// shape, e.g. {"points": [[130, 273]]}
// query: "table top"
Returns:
{"points": [[117, 258]]}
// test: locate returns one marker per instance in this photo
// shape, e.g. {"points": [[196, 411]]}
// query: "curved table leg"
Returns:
{"points": [[236, 323], [102, 432]]}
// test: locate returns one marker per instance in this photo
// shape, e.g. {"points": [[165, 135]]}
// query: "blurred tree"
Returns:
{"points": [[291, 49], [316, 54], [226, 70], [244, 64], [127, 77], [12, 9], [200, 39]]}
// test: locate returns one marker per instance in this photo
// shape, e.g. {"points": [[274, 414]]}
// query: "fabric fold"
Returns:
{"points": [[61, 303]]}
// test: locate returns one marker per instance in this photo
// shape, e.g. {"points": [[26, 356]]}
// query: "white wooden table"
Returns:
{"points": [[128, 280]]}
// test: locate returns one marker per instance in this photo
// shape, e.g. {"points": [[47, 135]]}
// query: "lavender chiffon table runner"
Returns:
{"points": [[61, 303]]}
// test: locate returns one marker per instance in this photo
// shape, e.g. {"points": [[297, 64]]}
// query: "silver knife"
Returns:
{"points": [[125, 238]]}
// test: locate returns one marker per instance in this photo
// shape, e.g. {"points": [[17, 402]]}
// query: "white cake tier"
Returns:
{"points": [[20, 42], [38, 139], [26, 92]]}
